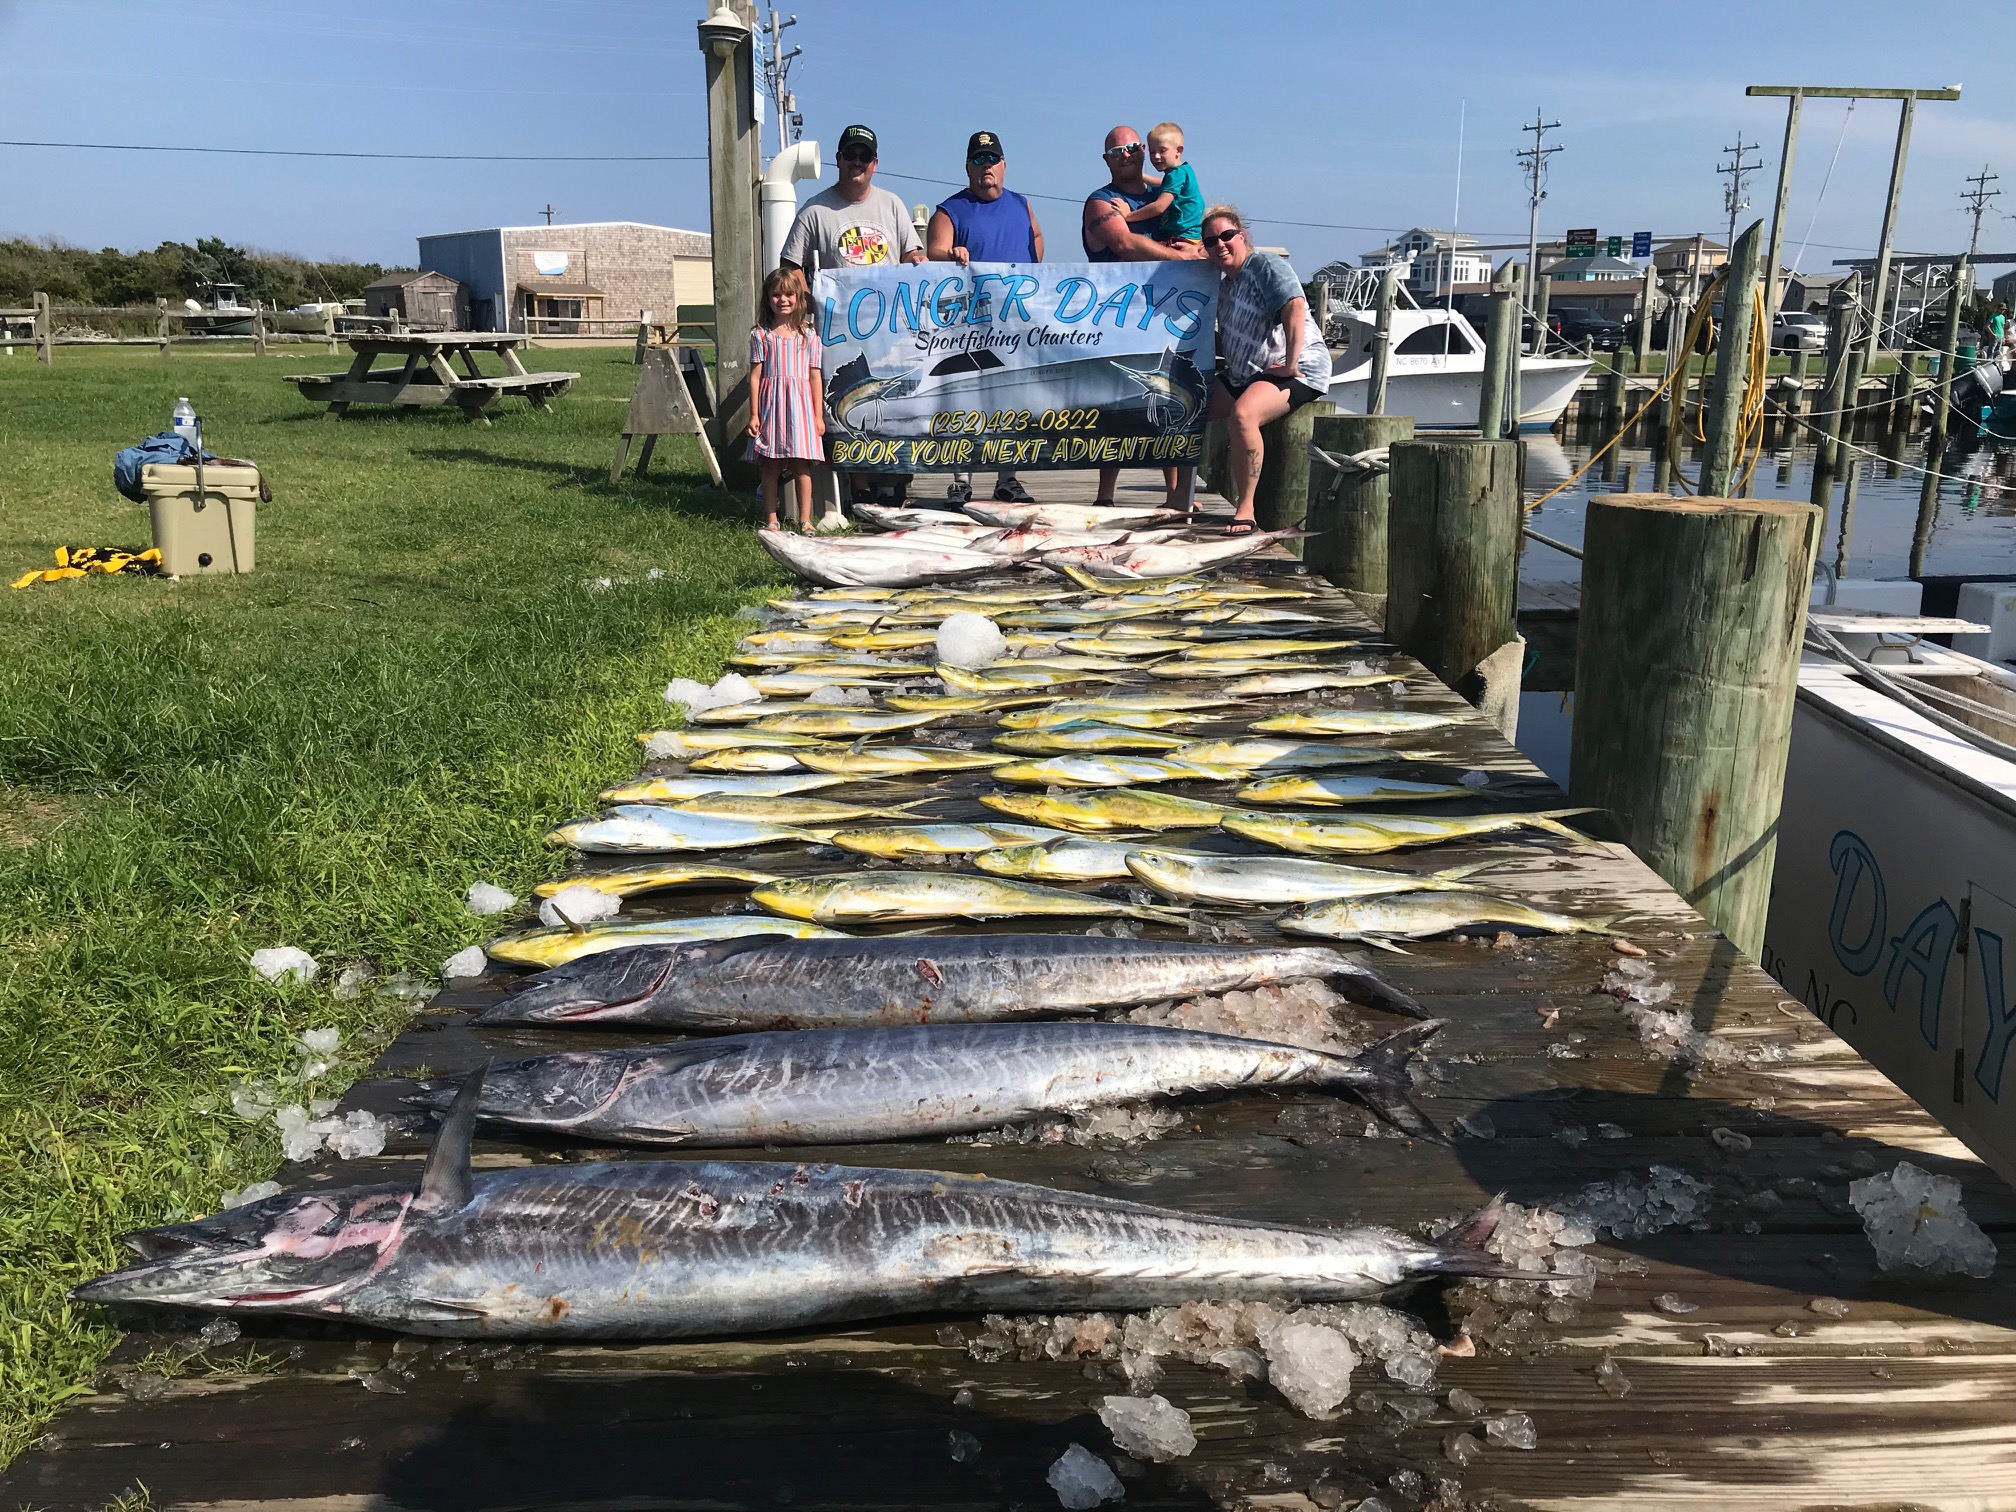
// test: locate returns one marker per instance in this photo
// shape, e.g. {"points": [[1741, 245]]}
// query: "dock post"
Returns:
{"points": [[1500, 354], [45, 331], [1382, 346], [258, 328], [733, 150], [1840, 335], [161, 327], [1727, 397], [1349, 512], [1795, 397], [1452, 570], [1544, 285], [1281, 495], [1949, 353], [1680, 363], [1642, 350], [1686, 666]]}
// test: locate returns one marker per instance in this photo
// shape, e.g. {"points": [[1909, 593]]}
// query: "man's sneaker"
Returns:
{"points": [[1012, 492], [958, 491]]}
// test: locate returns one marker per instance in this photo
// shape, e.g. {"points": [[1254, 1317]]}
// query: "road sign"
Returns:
{"points": [[1641, 243], [1582, 243], [1614, 247]]}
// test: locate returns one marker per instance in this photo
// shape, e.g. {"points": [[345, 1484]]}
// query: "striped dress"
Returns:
{"points": [[786, 411]]}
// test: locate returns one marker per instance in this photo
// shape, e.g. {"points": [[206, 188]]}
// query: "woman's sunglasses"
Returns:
{"points": [[1229, 234]]}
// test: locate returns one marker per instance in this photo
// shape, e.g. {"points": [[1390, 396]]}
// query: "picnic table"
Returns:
{"points": [[427, 376]]}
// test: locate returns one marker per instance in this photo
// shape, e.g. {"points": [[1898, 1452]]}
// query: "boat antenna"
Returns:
{"points": [[1455, 222]]}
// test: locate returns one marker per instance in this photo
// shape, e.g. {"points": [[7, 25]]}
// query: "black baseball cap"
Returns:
{"points": [[859, 136], [983, 141]]}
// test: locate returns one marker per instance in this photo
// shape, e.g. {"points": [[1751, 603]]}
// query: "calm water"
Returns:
{"points": [[1883, 521]]}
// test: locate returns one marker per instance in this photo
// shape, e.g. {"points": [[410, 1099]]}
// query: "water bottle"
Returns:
{"points": [[184, 420]]}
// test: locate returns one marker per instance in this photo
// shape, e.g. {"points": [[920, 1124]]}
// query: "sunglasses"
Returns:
{"points": [[853, 155], [984, 159], [1230, 234], [1133, 149]]}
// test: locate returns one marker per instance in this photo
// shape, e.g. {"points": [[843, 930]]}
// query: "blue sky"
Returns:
{"points": [[1340, 115]]}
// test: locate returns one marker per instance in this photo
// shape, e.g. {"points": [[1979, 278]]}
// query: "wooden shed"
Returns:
{"points": [[426, 301]]}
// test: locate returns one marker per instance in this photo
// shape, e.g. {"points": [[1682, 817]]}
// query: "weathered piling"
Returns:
{"points": [[1731, 388], [734, 160], [1949, 352], [1500, 335], [1281, 495], [1348, 511], [1840, 336], [1686, 665], [1453, 563], [1795, 391], [1382, 345], [1642, 343]]}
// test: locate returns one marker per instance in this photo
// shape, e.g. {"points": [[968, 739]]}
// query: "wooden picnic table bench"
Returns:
{"points": [[426, 376]]}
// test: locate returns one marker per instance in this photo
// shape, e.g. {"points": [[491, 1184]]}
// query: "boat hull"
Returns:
{"points": [[1447, 398]]}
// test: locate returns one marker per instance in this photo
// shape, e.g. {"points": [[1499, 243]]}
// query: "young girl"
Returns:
{"points": [[787, 413]]}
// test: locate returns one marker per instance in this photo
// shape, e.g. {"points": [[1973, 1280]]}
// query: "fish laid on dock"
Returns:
{"points": [[1073, 858], [1367, 834], [1263, 881], [676, 789], [828, 983], [558, 946], [900, 761], [1058, 740], [845, 724], [645, 828], [1275, 684], [913, 1081], [1136, 710], [1415, 916], [679, 1249], [1352, 722], [896, 842], [1107, 809], [1115, 771], [642, 879], [1259, 754], [1339, 790], [901, 897], [684, 745]]}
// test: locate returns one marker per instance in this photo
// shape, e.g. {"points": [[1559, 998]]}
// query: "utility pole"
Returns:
{"points": [[1732, 193], [1976, 201], [776, 65], [1534, 159], [548, 212]]}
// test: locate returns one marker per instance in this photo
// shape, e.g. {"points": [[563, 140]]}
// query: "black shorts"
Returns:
{"points": [[1298, 392]]}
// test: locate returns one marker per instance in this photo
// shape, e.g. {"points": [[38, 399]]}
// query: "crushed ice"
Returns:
{"points": [[1150, 1428], [486, 898], [1914, 1218], [1083, 1480], [970, 641], [1295, 1013], [697, 698], [467, 962], [834, 694], [578, 905], [284, 963]]}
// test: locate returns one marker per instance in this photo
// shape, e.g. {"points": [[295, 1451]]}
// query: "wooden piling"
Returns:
{"points": [[1840, 335], [1949, 351], [1731, 388], [1642, 353], [161, 327], [1692, 615], [1453, 555], [45, 330], [1281, 496], [258, 328], [1500, 336], [1795, 393], [1382, 346], [1349, 513], [733, 164]]}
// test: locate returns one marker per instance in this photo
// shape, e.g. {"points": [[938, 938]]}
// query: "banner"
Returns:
{"points": [[933, 367]]}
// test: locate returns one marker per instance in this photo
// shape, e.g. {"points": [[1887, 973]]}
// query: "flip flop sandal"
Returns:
{"points": [[1241, 528]]}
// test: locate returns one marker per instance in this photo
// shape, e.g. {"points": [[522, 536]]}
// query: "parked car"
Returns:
{"points": [[1584, 330], [1798, 331]]}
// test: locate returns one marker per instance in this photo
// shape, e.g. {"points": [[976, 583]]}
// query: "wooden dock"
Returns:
{"points": [[1740, 1394]]}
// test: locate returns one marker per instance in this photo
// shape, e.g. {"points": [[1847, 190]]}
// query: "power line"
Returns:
{"points": [[382, 157], [1976, 201], [1732, 193]]}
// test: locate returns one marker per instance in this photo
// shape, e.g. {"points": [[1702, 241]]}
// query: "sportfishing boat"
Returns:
{"points": [[1893, 898], [224, 315], [1435, 371]]}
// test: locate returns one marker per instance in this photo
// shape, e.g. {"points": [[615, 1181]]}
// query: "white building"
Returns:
{"points": [[1434, 260]]}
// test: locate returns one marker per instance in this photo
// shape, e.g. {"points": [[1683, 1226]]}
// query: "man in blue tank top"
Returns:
{"points": [[985, 222]]}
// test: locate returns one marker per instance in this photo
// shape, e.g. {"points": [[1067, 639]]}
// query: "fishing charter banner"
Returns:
{"points": [[933, 367]]}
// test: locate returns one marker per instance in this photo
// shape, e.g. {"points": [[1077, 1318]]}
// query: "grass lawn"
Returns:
{"points": [[415, 684]]}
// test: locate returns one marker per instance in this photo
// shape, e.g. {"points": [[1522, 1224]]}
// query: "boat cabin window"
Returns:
{"points": [[1430, 341], [967, 362]]}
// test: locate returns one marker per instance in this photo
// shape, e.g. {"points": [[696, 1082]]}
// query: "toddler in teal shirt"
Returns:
{"points": [[1177, 211]]}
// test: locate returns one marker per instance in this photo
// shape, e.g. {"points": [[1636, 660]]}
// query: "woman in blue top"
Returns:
{"points": [[1271, 356]]}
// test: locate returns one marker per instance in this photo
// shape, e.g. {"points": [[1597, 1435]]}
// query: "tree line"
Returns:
{"points": [[173, 271]]}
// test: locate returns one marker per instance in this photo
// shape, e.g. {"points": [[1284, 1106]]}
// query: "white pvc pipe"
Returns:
{"points": [[778, 196]]}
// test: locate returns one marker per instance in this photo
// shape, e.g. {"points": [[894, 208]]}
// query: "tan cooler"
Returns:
{"points": [[210, 532]]}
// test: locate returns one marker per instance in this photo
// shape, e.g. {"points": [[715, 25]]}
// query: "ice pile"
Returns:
{"points": [[836, 696], [486, 898], [1631, 980], [970, 641], [466, 962], [259, 1191], [347, 1136], [1672, 1036], [698, 697], [1914, 1218], [1310, 1365], [284, 963], [1149, 1428], [1297, 1013], [1081, 1479], [1132, 1123], [578, 905]]}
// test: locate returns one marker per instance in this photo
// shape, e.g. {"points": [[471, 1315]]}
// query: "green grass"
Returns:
{"points": [[409, 691]]}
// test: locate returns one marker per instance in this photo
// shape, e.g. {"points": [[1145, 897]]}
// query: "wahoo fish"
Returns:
{"points": [[883, 517], [1412, 916], [900, 897], [1262, 650], [848, 723], [1269, 684], [679, 1249], [647, 828], [1106, 709], [1262, 881], [1070, 858], [561, 944], [1352, 722], [900, 761], [642, 879], [684, 745], [673, 789], [1110, 809], [1111, 771], [1332, 790], [1062, 739], [910, 1081], [1367, 834], [838, 983], [1255, 755], [1009, 679], [896, 842], [863, 564]]}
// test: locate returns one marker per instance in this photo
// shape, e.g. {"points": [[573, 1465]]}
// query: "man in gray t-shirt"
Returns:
{"points": [[853, 225]]}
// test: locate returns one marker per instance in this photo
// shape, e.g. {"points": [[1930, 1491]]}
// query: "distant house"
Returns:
{"points": [[1593, 270], [1810, 291], [2003, 290], [574, 280], [1433, 259], [1681, 259], [424, 300]]}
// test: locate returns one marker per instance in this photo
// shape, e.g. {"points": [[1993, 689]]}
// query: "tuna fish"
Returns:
{"points": [[868, 565], [680, 1249], [913, 1081], [748, 984]]}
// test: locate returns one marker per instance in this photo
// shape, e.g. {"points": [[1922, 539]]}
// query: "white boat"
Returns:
{"points": [[1893, 897], [1436, 368]]}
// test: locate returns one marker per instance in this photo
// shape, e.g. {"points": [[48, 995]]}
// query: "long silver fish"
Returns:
{"points": [[777, 983], [1264, 880], [679, 1249], [914, 1081], [1415, 916], [649, 829]]}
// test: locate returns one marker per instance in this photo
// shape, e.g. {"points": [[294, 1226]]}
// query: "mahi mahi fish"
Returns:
{"points": [[559, 945], [679, 1249], [1352, 722], [1103, 810], [895, 897], [1326, 790], [678, 789], [1366, 834], [642, 879], [911, 1081], [1264, 880], [1416, 916], [894, 842], [649, 828], [1058, 740], [776, 983], [1085, 771]]}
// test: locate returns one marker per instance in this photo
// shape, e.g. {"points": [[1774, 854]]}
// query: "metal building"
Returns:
{"points": [[581, 280]]}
